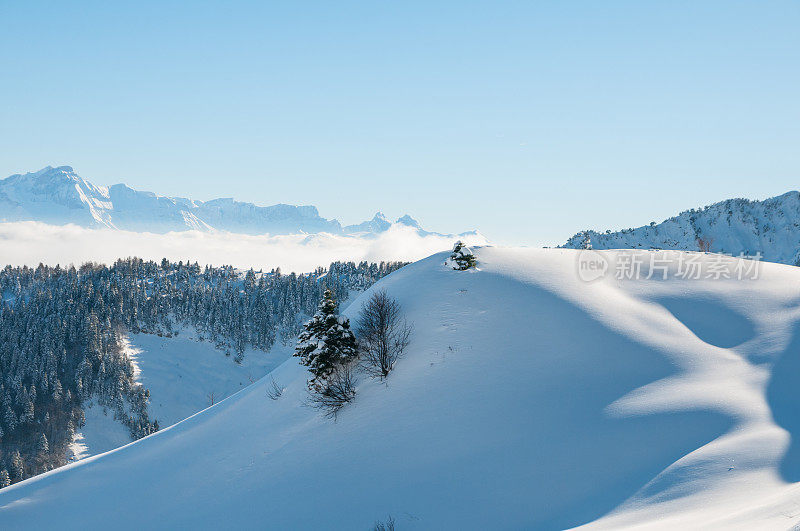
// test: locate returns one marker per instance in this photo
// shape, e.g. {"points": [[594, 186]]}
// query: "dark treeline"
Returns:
{"points": [[61, 331]]}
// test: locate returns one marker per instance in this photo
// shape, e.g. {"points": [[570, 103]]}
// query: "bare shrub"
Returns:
{"points": [[274, 391], [388, 526], [704, 244], [340, 390], [382, 333]]}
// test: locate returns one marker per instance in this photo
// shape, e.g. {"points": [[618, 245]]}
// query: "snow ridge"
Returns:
{"points": [[733, 226]]}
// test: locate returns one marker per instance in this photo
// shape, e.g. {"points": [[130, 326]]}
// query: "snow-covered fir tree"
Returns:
{"points": [[586, 243], [461, 258], [325, 343], [17, 466], [5, 479], [42, 447]]}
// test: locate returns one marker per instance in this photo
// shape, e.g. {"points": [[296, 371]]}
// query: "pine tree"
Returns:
{"points": [[17, 467], [586, 243], [461, 258], [10, 419], [42, 448], [5, 479], [325, 343]]}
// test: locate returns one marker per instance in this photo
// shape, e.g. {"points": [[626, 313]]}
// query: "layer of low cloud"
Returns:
{"points": [[31, 243]]}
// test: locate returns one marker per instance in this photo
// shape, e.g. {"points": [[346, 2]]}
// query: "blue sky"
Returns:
{"points": [[526, 120]]}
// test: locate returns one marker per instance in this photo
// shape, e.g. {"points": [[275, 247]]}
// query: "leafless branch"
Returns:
{"points": [[704, 244], [274, 391], [340, 391], [382, 333], [388, 526]]}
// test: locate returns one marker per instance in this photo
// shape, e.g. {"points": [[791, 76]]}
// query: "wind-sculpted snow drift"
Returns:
{"points": [[528, 399]]}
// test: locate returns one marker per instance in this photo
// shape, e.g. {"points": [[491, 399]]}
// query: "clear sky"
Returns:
{"points": [[526, 120]]}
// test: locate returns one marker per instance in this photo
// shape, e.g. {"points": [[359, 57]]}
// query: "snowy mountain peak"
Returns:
{"points": [[48, 174], [378, 223], [64, 169], [59, 196], [54, 195], [408, 221], [67, 170]]}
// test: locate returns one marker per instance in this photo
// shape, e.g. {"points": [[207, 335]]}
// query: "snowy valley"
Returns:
{"points": [[528, 398], [183, 374], [95, 357]]}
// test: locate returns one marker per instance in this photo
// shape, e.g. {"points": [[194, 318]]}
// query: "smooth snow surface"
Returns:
{"points": [[528, 399], [182, 372], [100, 433]]}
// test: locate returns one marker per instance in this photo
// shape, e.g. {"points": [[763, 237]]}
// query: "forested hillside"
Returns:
{"points": [[61, 329], [768, 230]]}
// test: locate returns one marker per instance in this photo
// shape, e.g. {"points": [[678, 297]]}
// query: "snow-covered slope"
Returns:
{"points": [[184, 375], [59, 196], [735, 226], [528, 399]]}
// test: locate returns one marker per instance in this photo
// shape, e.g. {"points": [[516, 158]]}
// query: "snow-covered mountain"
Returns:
{"points": [[734, 226], [528, 399], [59, 196]]}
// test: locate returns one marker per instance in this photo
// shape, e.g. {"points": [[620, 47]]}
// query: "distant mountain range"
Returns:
{"points": [[59, 196], [734, 226]]}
